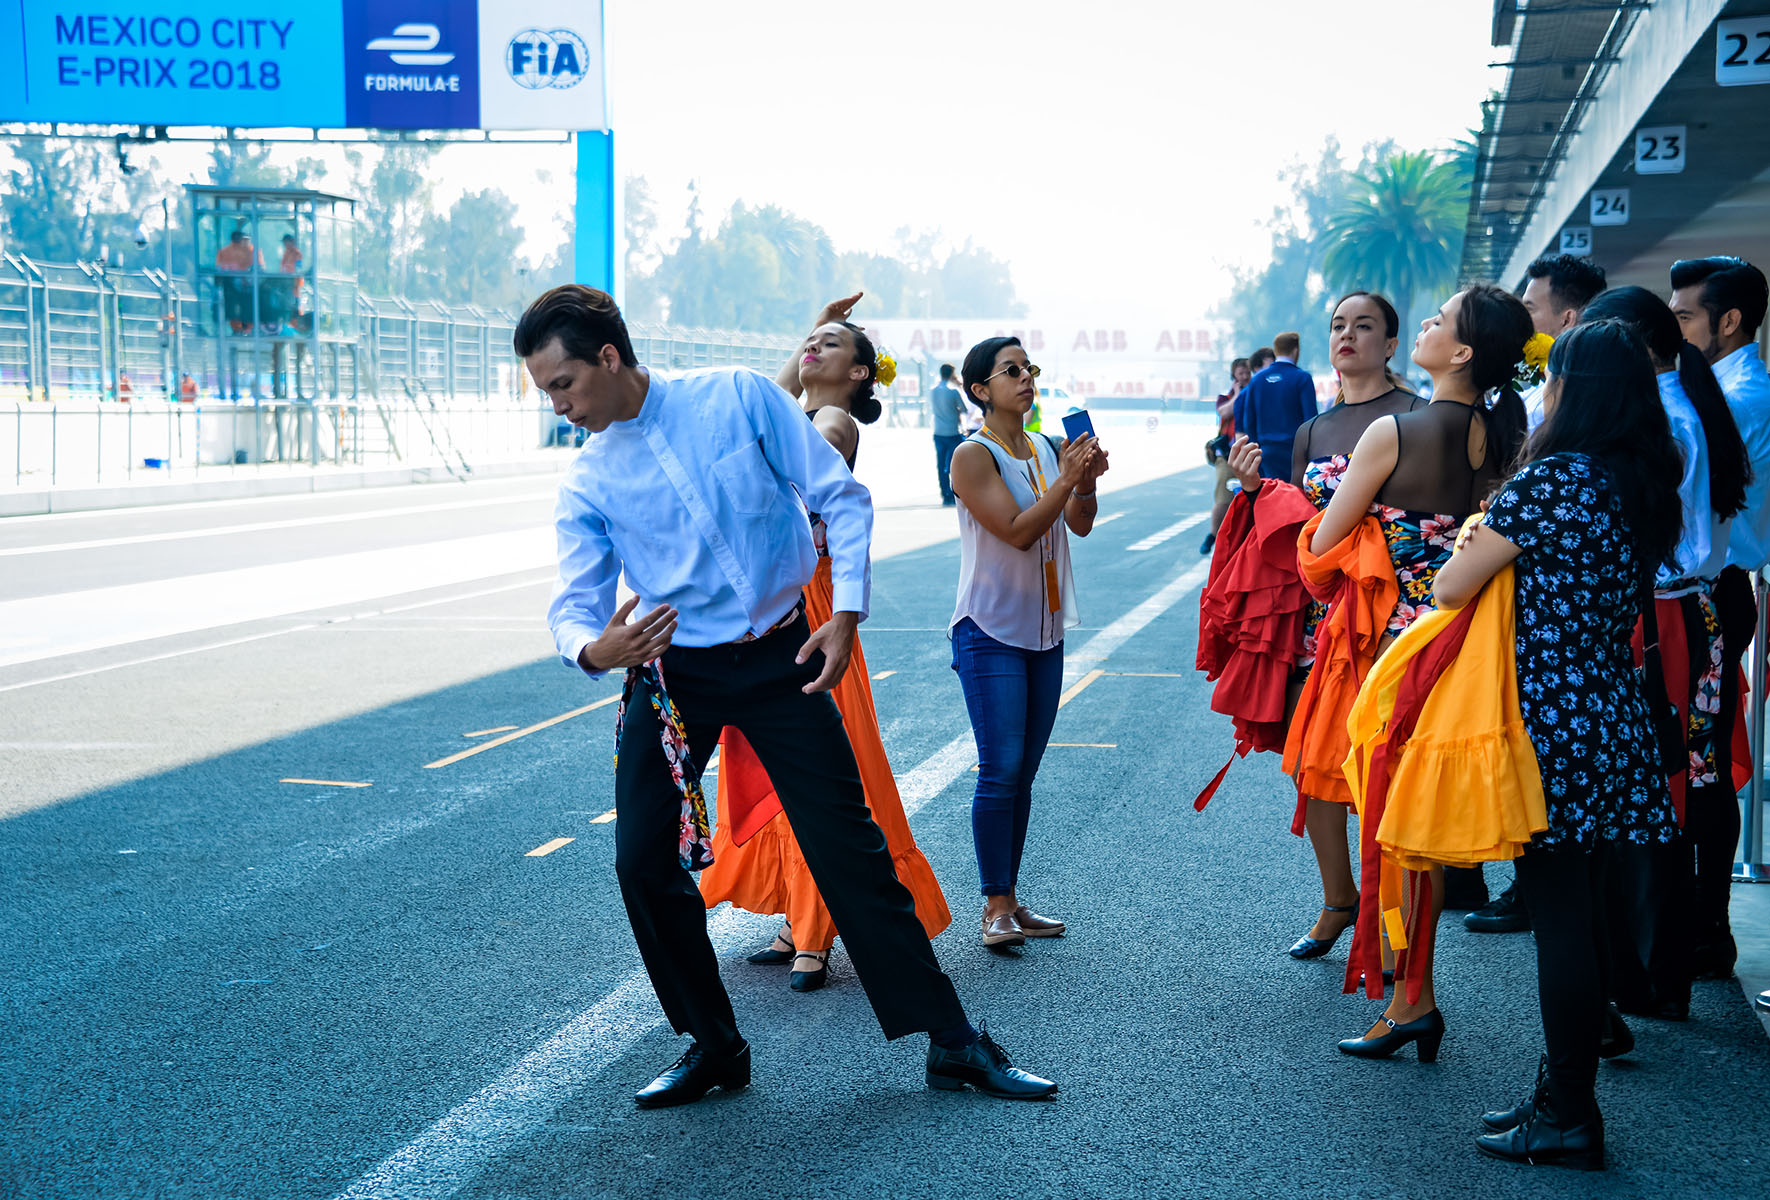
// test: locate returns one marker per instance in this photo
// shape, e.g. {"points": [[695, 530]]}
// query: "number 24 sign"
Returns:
{"points": [[1659, 149]]}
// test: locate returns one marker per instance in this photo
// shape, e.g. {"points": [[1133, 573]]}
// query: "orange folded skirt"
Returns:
{"points": [[767, 872]]}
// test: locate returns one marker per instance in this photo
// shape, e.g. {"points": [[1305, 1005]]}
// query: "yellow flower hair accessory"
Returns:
{"points": [[1536, 350], [887, 369], [1529, 371]]}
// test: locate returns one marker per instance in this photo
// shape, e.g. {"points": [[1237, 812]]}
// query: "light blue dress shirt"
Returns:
{"points": [[1747, 388], [1702, 548], [701, 499]]}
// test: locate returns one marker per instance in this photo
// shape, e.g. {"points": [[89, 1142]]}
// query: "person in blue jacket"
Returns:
{"points": [[1277, 400]]}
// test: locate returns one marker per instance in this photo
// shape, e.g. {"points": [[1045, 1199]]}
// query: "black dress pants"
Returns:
{"points": [[1563, 889], [799, 739], [1712, 814]]}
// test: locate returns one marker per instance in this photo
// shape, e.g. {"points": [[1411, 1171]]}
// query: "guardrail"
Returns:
{"points": [[82, 333]]}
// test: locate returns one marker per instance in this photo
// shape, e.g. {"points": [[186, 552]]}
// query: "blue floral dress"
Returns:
{"points": [[1580, 694]]}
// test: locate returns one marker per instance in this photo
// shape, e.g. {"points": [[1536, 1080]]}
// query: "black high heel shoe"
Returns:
{"points": [[1426, 1032], [810, 981], [1309, 947], [768, 956]]}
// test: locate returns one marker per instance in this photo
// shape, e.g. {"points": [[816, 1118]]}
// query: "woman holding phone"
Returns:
{"points": [[1020, 494]]}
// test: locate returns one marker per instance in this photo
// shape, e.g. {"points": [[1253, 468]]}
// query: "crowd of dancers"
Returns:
{"points": [[1505, 622], [1502, 622]]}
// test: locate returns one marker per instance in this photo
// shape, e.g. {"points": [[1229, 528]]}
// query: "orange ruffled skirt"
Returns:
{"points": [[767, 872]]}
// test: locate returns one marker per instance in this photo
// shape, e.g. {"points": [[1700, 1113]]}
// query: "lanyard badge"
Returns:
{"points": [[1035, 477]]}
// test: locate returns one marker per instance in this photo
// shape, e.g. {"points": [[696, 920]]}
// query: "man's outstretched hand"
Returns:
{"points": [[835, 638], [626, 644]]}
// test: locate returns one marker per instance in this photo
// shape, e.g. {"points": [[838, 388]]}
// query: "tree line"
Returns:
{"points": [[758, 268], [1392, 222]]}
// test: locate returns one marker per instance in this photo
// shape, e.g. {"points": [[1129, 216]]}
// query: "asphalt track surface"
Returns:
{"points": [[220, 984]]}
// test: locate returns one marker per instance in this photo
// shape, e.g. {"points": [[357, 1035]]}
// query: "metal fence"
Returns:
{"points": [[104, 374]]}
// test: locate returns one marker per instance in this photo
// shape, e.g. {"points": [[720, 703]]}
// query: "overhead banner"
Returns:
{"points": [[332, 64]]}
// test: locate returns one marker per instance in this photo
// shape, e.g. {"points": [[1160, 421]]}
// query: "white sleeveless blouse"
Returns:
{"points": [[1003, 589]]}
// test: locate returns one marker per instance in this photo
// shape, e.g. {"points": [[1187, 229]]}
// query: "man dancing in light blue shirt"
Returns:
{"points": [[693, 488]]}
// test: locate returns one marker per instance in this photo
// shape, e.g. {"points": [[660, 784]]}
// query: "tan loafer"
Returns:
{"points": [[1003, 931], [1033, 925]]}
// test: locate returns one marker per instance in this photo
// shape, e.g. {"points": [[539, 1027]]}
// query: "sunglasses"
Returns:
{"points": [[1013, 370]]}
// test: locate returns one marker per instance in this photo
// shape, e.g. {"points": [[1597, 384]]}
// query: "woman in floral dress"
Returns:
{"points": [[1586, 522], [1362, 337], [1421, 474]]}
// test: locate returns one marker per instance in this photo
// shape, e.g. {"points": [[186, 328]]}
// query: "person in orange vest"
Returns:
{"points": [[125, 389], [187, 389]]}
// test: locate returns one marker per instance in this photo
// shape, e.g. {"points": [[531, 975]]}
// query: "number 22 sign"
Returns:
{"points": [[1659, 149], [1742, 51]]}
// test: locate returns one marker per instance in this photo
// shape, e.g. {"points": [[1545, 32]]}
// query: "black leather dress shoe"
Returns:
{"points": [[1542, 1141], [1311, 947], [694, 1075], [1618, 1039], [810, 981], [1524, 1110], [1714, 959], [1504, 914], [985, 1066], [1426, 1031]]}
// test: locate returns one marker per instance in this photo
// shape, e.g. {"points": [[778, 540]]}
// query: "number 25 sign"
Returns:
{"points": [[1659, 149]]}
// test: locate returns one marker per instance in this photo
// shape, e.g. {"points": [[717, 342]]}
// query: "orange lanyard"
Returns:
{"points": [[1035, 478]]}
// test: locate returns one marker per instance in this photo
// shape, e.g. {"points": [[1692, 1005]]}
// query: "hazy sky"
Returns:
{"points": [[1120, 155]]}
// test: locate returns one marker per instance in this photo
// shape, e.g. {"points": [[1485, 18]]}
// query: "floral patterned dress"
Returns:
{"points": [[1320, 477], [1419, 544], [1580, 694]]}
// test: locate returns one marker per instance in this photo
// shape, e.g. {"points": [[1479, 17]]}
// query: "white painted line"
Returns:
{"points": [[884, 675], [1161, 535], [1107, 519], [449, 1155], [604, 819], [258, 637], [260, 526]]}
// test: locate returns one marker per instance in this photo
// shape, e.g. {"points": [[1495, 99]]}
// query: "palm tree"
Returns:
{"points": [[1399, 230]]}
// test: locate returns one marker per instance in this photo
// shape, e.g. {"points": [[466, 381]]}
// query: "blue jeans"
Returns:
{"points": [[944, 445], [1012, 697]]}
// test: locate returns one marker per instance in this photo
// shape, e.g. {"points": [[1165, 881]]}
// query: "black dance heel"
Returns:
{"points": [[1308, 947], [1427, 1032], [768, 956], [810, 981]]}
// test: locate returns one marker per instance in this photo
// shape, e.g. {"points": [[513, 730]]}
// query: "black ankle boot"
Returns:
{"points": [[1524, 1110], [1544, 1141]]}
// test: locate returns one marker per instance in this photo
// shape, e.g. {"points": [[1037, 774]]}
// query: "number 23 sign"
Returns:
{"points": [[1660, 149]]}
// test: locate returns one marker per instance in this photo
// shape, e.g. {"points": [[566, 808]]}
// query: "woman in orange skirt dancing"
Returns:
{"points": [[757, 864]]}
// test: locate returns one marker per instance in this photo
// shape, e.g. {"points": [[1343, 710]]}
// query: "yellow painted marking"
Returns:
{"points": [[1080, 685], [1148, 674], [325, 782], [452, 759], [604, 819], [1086, 745], [546, 848], [884, 675], [493, 729]]}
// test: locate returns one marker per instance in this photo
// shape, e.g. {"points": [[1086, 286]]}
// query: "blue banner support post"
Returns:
{"points": [[596, 261]]}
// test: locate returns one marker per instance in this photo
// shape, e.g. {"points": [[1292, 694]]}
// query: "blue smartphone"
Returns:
{"points": [[1075, 424]]}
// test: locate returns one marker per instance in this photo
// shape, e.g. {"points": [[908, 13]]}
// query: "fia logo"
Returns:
{"points": [[411, 44], [542, 58]]}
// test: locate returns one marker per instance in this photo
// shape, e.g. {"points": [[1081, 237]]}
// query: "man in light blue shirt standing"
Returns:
{"points": [[949, 407], [692, 488], [1720, 304]]}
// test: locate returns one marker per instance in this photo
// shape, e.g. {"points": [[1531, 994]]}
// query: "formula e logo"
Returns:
{"points": [[543, 58], [411, 44]]}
